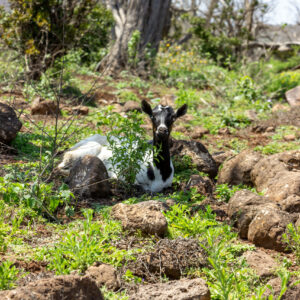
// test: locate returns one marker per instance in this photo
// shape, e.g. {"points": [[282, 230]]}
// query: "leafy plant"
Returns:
{"points": [[80, 248], [224, 192], [292, 238], [42, 31], [182, 223], [133, 46], [129, 147], [8, 275]]}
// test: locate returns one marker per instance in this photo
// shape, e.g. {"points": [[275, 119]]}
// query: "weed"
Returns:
{"points": [[80, 248], [182, 223], [292, 238], [8, 275]]}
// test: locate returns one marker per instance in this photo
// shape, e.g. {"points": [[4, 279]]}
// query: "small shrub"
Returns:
{"points": [[127, 142]]}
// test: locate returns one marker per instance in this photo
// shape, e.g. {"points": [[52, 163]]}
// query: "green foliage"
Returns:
{"points": [[38, 196], [292, 238], [221, 48], [182, 223], [127, 142], [186, 96], [225, 192], [247, 89], [45, 30], [80, 248], [8, 275], [133, 46], [277, 147], [283, 82], [228, 276], [126, 95]]}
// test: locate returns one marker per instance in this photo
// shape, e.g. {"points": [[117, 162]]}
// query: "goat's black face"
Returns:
{"points": [[162, 118]]}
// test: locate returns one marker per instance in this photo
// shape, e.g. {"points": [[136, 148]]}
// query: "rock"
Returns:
{"points": [[289, 137], [282, 186], [292, 292], [244, 206], [59, 287], [80, 110], [9, 124], [278, 175], [145, 216], [291, 204], [237, 169], [169, 257], [267, 228], [199, 132], [224, 130], [184, 289], [279, 107], [221, 157], [291, 159], [104, 275], [88, 178], [263, 264], [297, 224], [251, 115], [197, 152], [44, 107], [293, 96], [131, 106], [270, 129], [203, 185]]}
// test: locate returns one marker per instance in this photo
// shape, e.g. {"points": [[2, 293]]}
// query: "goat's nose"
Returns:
{"points": [[162, 130]]}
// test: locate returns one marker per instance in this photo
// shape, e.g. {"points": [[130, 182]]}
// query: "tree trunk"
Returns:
{"points": [[149, 18]]}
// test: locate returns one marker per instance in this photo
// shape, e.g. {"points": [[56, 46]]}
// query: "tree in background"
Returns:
{"points": [[44, 30], [224, 28], [139, 26]]}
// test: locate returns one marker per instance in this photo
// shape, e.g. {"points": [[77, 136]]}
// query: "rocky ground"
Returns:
{"points": [[164, 264]]}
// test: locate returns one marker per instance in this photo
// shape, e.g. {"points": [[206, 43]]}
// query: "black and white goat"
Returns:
{"points": [[155, 174]]}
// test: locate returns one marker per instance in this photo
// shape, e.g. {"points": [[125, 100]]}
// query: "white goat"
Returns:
{"points": [[155, 174]]}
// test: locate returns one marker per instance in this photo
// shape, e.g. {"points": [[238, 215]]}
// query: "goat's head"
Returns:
{"points": [[162, 118]]}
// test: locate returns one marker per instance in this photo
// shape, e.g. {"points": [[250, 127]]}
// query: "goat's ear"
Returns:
{"points": [[181, 111], [146, 108]]}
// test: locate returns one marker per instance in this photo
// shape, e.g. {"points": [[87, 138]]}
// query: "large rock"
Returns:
{"points": [[221, 157], [237, 169], [9, 124], [291, 204], [145, 216], [197, 152], [203, 185], [67, 287], [184, 289], [292, 292], [267, 228], [278, 175], [170, 258], [88, 178], [263, 264], [131, 106], [44, 107], [244, 206], [293, 96], [104, 275]]}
